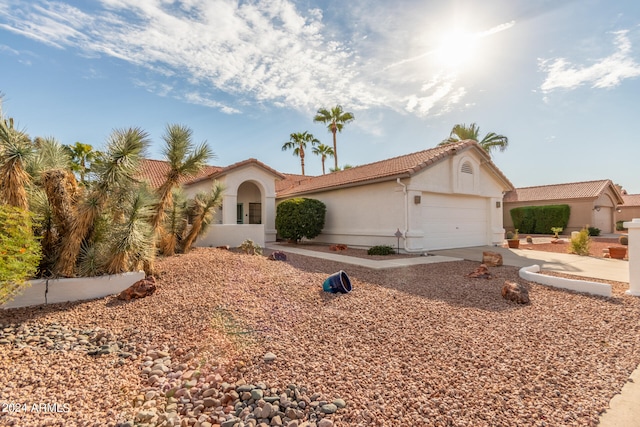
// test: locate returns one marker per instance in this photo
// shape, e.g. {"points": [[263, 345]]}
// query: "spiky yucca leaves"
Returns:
{"points": [[124, 151], [130, 245], [202, 208], [50, 154], [175, 223], [15, 151], [184, 159]]}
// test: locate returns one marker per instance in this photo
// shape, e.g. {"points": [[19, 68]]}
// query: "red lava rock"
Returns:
{"points": [[140, 289], [278, 256], [482, 272], [512, 291], [338, 247]]}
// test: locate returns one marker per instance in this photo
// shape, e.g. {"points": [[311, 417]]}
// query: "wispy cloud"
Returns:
{"points": [[263, 52], [607, 72]]}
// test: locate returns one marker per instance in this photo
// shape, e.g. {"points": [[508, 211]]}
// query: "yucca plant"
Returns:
{"points": [[176, 221], [15, 152], [130, 244], [185, 159], [202, 208], [124, 151]]}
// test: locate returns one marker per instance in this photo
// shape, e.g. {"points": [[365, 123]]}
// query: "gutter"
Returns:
{"points": [[406, 221]]}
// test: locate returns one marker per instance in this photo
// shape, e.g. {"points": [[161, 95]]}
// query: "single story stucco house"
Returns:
{"points": [[443, 197], [630, 209], [592, 203]]}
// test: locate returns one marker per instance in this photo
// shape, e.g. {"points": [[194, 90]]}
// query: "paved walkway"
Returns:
{"points": [[624, 408]]}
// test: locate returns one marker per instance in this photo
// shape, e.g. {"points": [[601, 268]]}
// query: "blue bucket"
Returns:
{"points": [[337, 282]]}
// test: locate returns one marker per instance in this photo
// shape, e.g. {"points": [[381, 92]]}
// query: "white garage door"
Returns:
{"points": [[454, 221]]}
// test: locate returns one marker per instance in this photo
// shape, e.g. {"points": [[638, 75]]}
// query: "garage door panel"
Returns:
{"points": [[450, 221]]}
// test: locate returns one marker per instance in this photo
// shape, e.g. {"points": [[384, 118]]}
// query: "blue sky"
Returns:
{"points": [[560, 78]]}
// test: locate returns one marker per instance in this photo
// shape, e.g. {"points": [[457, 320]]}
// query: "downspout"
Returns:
{"points": [[406, 220]]}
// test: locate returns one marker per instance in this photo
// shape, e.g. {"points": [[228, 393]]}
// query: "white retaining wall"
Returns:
{"points": [[595, 288], [74, 289]]}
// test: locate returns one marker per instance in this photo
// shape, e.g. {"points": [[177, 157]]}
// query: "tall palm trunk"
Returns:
{"points": [[334, 130]]}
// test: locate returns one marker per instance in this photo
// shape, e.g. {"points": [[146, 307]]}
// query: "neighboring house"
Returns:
{"points": [[444, 197], [592, 203], [630, 209], [249, 200]]}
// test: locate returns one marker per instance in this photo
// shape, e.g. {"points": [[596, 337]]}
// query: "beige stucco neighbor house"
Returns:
{"points": [[630, 209], [444, 197], [592, 203]]}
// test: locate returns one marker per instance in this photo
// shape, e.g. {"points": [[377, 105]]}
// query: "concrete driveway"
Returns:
{"points": [[598, 268]]}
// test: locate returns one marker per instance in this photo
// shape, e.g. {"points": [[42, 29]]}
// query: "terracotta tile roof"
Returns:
{"points": [[397, 167], [572, 190], [155, 171], [631, 199], [291, 180]]}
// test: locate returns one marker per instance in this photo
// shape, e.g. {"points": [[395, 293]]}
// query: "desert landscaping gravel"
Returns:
{"points": [[237, 340]]}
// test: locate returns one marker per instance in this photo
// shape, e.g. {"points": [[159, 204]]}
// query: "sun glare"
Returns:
{"points": [[456, 48]]}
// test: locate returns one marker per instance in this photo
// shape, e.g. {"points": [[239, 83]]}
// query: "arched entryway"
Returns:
{"points": [[249, 203]]}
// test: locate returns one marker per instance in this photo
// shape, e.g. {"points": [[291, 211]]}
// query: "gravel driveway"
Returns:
{"points": [[422, 345]]}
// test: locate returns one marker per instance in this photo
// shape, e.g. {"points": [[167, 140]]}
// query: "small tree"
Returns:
{"points": [[300, 217], [19, 251]]}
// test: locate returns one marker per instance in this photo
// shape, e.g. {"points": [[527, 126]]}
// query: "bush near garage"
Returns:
{"points": [[540, 219]]}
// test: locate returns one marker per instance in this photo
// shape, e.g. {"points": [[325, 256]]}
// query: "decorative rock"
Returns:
{"points": [[325, 423], [329, 408], [482, 272], [512, 291], [140, 289], [340, 403], [278, 256], [491, 259], [269, 357], [257, 394]]}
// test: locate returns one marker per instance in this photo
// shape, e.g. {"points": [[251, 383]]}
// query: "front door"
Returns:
{"points": [[255, 213]]}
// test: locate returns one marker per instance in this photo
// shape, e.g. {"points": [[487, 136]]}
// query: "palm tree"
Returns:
{"points": [[298, 142], [124, 151], [184, 160], [82, 155], [460, 132], [202, 210], [323, 151], [335, 119]]}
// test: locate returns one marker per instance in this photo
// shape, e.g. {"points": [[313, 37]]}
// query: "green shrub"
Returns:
{"points": [[594, 231], [620, 225], [580, 243], [540, 219], [623, 240], [381, 250], [20, 251], [300, 217], [250, 248], [556, 231]]}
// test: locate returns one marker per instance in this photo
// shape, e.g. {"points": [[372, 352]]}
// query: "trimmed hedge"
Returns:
{"points": [[540, 219], [300, 217]]}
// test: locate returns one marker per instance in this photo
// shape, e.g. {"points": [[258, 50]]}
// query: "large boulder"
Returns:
{"points": [[512, 291], [491, 259], [140, 289]]}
